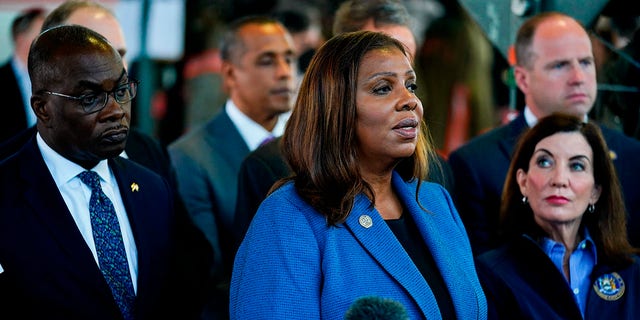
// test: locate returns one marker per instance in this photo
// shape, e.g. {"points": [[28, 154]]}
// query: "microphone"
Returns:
{"points": [[376, 308]]}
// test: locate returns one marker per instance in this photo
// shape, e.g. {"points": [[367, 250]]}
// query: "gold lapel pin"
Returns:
{"points": [[134, 187]]}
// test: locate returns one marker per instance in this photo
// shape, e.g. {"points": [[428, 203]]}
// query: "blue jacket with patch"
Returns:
{"points": [[521, 282]]}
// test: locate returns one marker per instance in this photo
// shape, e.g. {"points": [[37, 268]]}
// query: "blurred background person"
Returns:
{"points": [[356, 219], [567, 255], [204, 93], [455, 62], [386, 16], [258, 69], [305, 32], [555, 70], [15, 87]]}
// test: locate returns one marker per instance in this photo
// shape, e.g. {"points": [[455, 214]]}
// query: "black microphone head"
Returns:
{"points": [[376, 308]]}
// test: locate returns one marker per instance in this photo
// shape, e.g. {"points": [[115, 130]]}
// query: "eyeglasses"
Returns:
{"points": [[94, 102]]}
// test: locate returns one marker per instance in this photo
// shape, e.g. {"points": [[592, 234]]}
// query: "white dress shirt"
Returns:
{"points": [[531, 119], [76, 195], [252, 132]]}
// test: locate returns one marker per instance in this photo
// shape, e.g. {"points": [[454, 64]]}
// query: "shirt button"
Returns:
{"points": [[576, 291]]}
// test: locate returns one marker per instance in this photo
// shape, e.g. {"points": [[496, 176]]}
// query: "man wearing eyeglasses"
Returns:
{"points": [[140, 147], [84, 233]]}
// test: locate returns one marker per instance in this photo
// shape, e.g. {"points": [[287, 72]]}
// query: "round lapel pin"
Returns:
{"points": [[609, 286], [365, 221]]}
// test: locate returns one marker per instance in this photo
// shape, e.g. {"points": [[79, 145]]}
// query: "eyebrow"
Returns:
{"points": [[94, 85], [576, 157], [568, 60], [390, 74], [272, 53], [580, 157]]}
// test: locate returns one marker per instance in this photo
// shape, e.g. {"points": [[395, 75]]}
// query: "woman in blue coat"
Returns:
{"points": [[356, 220]]}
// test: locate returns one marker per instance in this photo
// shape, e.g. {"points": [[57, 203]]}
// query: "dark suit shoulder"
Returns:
{"points": [[487, 141], [14, 118], [619, 140], [16, 142], [270, 157], [6, 71], [218, 130], [148, 151], [134, 170]]}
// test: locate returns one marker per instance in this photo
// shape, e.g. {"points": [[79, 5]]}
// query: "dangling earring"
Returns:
{"points": [[524, 199], [591, 208]]}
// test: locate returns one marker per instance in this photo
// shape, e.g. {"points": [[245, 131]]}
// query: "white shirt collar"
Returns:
{"points": [[253, 133], [531, 119], [63, 170]]}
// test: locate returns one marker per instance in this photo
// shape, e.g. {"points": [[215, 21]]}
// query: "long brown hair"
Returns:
{"points": [[606, 224], [319, 142]]}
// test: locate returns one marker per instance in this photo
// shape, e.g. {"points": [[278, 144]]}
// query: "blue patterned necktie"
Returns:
{"points": [[112, 257]]}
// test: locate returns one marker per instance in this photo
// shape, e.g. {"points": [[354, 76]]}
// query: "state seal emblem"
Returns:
{"points": [[609, 286]]}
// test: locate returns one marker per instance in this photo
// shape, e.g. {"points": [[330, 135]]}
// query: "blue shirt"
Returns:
{"points": [[581, 263]]}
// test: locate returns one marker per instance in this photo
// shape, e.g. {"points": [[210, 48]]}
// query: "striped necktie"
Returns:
{"points": [[112, 257]]}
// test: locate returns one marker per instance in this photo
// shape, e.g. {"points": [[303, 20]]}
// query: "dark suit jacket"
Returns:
{"points": [[207, 161], [521, 282], [266, 165], [49, 271], [480, 168], [13, 118]]}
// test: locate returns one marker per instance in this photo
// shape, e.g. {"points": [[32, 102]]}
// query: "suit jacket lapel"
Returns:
{"points": [[381, 243], [512, 133], [130, 192], [431, 231], [49, 206], [223, 131]]}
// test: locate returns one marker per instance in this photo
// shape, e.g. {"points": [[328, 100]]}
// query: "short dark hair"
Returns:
{"points": [[352, 15], [606, 224], [232, 45], [54, 42], [24, 20], [319, 141]]}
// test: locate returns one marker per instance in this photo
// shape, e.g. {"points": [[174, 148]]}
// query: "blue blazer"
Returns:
{"points": [[49, 271], [480, 168], [292, 265]]}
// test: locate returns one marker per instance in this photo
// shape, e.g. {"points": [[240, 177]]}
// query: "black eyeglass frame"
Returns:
{"points": [[131, 86]]}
